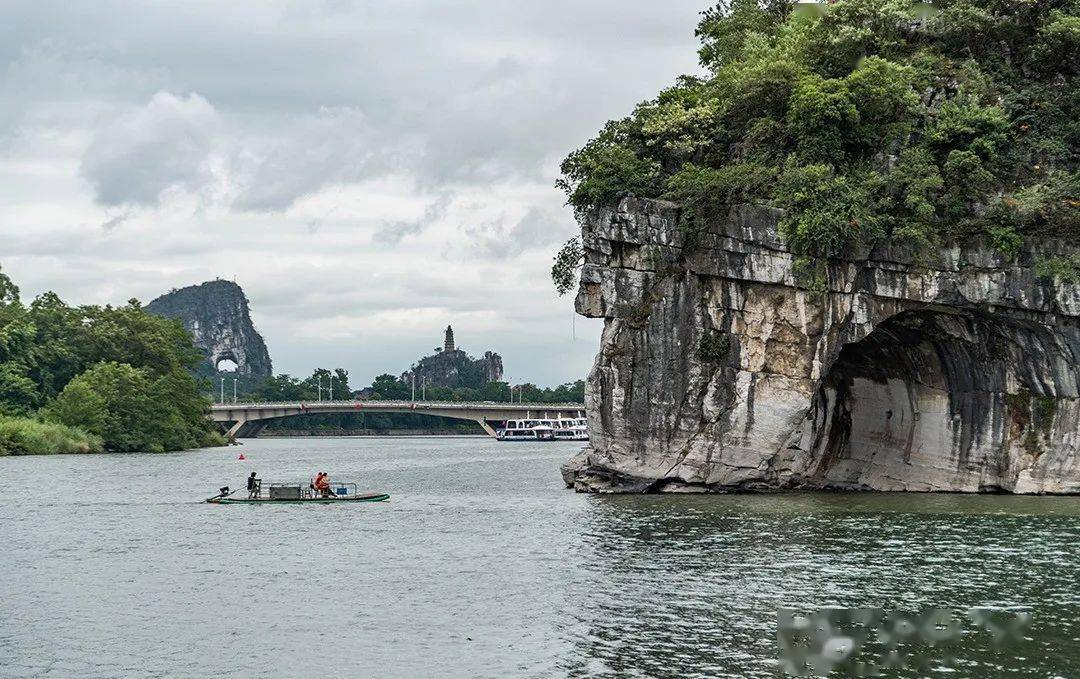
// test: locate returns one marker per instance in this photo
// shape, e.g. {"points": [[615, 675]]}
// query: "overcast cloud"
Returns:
{"points": [[368, 171]]}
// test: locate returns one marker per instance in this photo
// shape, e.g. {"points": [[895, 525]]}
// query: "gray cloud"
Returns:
{"points": [[332, 145], [487, 88], [115, 221], [538, 229], [392, 233], [165, 144]]}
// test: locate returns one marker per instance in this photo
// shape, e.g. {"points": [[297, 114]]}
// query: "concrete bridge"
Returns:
{"points": [[246, 420]]}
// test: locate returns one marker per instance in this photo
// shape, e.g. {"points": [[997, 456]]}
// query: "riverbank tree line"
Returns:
{"points": [[863, 120], [96, 378]]}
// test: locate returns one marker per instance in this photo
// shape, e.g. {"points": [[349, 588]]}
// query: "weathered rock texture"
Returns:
{"points": [[719, 370], [216, 314]]}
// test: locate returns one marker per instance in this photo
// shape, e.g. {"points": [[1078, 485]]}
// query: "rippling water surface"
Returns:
{"points": [[483, 565]]}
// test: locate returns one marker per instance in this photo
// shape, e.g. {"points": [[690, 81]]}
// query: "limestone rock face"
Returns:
{"points": [[216, 314], [721, 368]]}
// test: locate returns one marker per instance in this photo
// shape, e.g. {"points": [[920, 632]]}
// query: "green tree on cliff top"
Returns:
{"points": [[862, 119]]}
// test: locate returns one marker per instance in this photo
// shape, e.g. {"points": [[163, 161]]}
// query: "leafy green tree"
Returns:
{"points": [[340, 382], [390, 388], [567, 263], [602, 173], [493, 391], [9, 292], [112, 400], [134, 411], [821, 116], [18, 393], [726, 29], [279, 388], [706, 192], [79, 405], [144, 340]]}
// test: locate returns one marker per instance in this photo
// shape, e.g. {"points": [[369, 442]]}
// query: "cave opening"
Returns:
{"points": [[226, 363], [928, 400]]}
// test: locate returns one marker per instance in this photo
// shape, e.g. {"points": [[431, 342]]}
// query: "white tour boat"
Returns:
{"points": [[561, 429], [572, 429]]}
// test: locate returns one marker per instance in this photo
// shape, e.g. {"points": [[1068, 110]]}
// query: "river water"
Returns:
{"points": [[482, 565]]}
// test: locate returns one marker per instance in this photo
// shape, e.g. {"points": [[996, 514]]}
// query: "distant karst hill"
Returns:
{"points": [[216, 314], [452, 368]]}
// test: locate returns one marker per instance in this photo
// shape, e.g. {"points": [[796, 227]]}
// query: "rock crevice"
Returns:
{"points": [[720, 370]]}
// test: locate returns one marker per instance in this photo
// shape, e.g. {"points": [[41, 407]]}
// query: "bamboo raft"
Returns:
{"points": [[296, 493]]}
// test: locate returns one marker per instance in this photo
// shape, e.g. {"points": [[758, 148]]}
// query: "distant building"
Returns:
{"points": [[448, 341]]}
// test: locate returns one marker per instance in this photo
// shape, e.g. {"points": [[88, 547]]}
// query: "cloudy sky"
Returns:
{"points": [[368, 171]]}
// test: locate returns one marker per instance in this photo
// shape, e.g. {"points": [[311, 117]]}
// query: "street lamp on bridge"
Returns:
{"points": [[221, 398]]}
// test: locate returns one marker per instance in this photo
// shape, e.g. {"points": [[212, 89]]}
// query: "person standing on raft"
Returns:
{"points": [[254, 486]]}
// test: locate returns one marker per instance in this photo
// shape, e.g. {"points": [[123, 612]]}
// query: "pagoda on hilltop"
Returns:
{"points": [[453, 368]]}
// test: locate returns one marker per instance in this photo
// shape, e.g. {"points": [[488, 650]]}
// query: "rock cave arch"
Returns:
{"points": [[226, 361], [936, 399]]}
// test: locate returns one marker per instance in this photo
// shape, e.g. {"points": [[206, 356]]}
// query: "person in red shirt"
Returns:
{"points": [[322, 484]]}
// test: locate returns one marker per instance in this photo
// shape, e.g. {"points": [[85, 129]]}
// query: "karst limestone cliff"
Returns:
{"points": [[720, 368], [216, 313]]}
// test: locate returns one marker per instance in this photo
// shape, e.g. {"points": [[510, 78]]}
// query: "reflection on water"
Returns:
{"points": [[693, 583], [482, 565]]}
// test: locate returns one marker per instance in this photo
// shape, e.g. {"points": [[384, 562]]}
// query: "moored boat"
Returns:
{"points": [[561, 429], [578, 427]]}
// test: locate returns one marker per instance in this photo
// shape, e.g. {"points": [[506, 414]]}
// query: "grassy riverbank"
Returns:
{"points": [[24, 436]]}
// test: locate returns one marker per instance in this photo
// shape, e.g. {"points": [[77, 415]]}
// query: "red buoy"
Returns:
{"points": [[241, 457]]}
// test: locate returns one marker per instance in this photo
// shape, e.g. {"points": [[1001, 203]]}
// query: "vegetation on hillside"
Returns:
{"points": [[864, 119], [86, 378]]}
